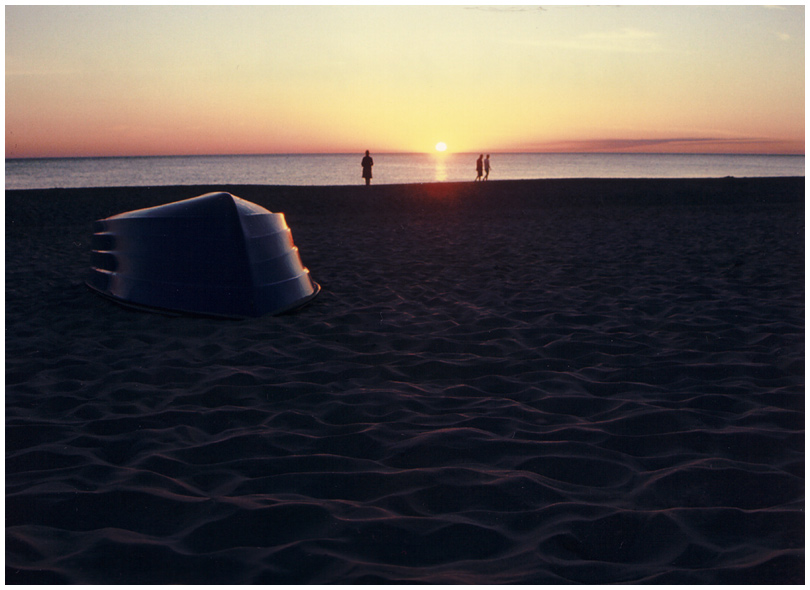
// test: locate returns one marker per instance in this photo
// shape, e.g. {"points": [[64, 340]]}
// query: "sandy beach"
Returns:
{"points": [[551, 381]]}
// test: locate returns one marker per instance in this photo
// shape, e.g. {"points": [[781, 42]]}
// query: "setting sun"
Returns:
{"points": [[441, 146]]}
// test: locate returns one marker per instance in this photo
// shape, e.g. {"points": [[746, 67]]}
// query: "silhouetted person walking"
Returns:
{"points": [[479, 167], [486, 168], [367, 163]]}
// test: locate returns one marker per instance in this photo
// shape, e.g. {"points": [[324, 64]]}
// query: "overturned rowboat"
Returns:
{"points": [[215, 255]]}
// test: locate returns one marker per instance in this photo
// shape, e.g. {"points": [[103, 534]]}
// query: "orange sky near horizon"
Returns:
{"points": [[181, 80]]}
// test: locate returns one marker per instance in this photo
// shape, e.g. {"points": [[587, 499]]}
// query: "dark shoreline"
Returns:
{"points": [[36, 206]]}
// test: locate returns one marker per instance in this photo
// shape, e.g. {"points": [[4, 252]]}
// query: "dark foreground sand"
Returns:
{"points": [[516, 382]]}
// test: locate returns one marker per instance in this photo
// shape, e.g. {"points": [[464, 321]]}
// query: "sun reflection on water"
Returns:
{"points": [[441, 170]]}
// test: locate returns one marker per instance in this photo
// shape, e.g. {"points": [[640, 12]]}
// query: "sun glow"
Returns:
{"points": [[642, 79]]}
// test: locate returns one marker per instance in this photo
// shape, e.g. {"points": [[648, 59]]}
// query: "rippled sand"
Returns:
{"points": [[513, 382]]}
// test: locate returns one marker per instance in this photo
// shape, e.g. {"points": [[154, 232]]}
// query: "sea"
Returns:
{"points": [[344, 169]]}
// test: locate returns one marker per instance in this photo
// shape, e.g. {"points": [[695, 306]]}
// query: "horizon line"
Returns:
{"points": [[407, 153]]}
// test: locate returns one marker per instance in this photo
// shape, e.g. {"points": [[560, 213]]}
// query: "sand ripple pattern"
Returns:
{"points": [[490, 389]]}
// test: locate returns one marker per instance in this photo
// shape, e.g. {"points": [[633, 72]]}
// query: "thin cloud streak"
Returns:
{"points": [[626, 40], [683, 144], [506, 9]]}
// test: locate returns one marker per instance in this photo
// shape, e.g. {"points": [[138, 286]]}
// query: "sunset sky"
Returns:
{"points": [[148, 80]]}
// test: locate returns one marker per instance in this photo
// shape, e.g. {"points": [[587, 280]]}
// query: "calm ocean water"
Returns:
{"points": [[344, 169]]}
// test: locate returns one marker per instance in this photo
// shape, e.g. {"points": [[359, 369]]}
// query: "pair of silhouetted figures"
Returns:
{"points": [[482, 167]]}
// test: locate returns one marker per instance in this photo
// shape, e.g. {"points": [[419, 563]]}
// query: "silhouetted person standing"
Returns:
{"points": [[479, 167], [367, 163], [486, 168]]}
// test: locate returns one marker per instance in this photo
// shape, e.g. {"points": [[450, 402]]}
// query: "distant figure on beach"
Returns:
{"points": [[479, 167], [486, 168], [367, 163]]}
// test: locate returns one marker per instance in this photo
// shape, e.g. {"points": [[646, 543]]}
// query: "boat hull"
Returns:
{"points": [[214, 255]]}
